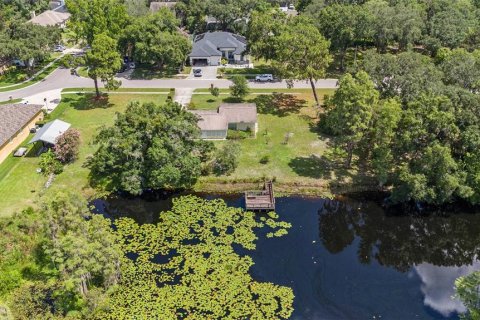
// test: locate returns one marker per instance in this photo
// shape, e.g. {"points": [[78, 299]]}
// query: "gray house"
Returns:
{"points": [[209, 49], [214, 124]]}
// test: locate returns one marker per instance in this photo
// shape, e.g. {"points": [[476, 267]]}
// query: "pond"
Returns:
{"points": [[349, 259]]}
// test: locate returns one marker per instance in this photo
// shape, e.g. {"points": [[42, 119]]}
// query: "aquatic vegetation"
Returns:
{"points": [[186, 266]]}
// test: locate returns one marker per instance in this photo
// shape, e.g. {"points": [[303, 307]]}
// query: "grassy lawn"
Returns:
{"points": [[203, 100], [10, 101], [300, 158], [21, 186], [120, 90], [148, 73], [38, 78]]}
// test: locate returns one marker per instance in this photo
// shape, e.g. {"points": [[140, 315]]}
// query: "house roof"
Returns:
{"points": [[157, 5], [207, 44], [51, 131], [13, 117], [239, 112], [226, 113], [211, 120], [50, 18]]}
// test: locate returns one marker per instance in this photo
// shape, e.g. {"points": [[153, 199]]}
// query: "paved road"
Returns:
{"points": [[61, 78]]}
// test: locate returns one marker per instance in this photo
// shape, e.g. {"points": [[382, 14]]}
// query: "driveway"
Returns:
{"points": [[183, 96], [208, 73]]}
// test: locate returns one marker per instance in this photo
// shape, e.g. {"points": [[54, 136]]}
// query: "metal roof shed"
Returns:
{"points": [[51, 131]]}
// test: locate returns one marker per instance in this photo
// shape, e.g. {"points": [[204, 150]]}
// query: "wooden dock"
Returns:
{"points": [[261, 200]]}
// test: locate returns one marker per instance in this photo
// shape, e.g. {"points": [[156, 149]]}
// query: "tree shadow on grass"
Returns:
{"points": [[89, 101], [317, 167], [232, 100], [279, 104]]}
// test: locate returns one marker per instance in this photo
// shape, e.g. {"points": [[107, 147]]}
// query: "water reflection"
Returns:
{"points": [[437, 286], [438, 248], [349, 259], [400, 241]]}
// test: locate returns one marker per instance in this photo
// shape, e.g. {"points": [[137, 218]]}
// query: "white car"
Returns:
{"points": [[291, 7], [264, 78]]}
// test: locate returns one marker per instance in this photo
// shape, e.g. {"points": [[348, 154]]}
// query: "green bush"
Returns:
{"points": [[265, 159], [49, 163], [226, 159], [238, 134]]}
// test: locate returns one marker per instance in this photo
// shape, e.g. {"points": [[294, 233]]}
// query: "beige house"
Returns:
{"points": [[16, 120], [214, 124], [51, 18]]}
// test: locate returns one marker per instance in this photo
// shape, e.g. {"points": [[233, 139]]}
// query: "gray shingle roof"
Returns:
{"points": [[51, 131], [13, 117], [226, 113], [50, 18], [210, 120], [207, 44], [239, 112]]}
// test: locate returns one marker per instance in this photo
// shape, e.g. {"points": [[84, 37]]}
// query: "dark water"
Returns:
{"points": [[349, 259]]}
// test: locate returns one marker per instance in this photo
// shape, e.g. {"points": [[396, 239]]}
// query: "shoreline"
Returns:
{"points": [[325, 190]]}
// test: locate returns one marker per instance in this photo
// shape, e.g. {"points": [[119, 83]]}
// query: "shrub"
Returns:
{"points": [[265, 159], [239, 89], [49, 163], [225, 160], [67, 145], [238, 134], [215, 91]]}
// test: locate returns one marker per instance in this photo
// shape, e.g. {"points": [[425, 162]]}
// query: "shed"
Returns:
{"points": [[49, 133], [240, 116], [212, 124]]}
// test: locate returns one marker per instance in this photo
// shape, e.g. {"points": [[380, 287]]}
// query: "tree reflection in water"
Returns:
{"points": [[400, 241]]}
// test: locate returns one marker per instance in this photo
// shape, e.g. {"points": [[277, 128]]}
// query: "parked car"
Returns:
{"points": [[264, 78], [131, 65], [59, 48], [291, 7], [18, 63], [197, 72]]}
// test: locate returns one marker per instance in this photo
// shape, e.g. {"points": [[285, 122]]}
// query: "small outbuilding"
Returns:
{"points": [[49, 133], [214, 124]]}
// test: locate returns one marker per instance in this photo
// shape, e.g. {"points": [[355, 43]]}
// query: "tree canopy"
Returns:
{"points": [[156, 39], [149, 147], [104, 61], [63, 262]]}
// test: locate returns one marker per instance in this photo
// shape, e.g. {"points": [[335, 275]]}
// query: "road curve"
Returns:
{"points": [[61, 78]]}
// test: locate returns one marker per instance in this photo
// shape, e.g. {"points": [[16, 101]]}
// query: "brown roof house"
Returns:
{"points": [[16, 120], [214, 124]]}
